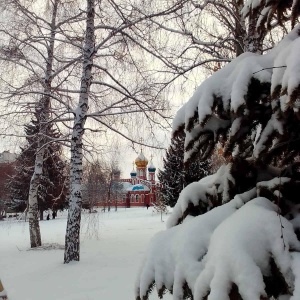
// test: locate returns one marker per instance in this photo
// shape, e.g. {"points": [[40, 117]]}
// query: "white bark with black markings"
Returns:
{"points": [[72, 240], [43, 108]]}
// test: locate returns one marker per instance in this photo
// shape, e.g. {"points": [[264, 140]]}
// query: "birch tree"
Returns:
{"points": [[107, 94], [118, 79], [72, 242], [32, 51], [49, 77], [43, 110]]}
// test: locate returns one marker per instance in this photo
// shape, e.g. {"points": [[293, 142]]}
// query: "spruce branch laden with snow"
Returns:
{"points": [[233, 234]]}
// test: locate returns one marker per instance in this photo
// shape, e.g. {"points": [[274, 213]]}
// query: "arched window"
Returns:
{"points": [[136, 198]]}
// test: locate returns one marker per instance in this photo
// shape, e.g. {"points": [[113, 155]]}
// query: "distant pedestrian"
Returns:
{"points": [[53, 214], [147, 205], [48, 216]]}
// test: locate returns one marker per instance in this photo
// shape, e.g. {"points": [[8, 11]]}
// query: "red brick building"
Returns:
{"points": [[141, 188]]}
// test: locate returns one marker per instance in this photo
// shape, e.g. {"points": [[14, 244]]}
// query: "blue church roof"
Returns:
{"points": [[138, 187], [151, 167]]}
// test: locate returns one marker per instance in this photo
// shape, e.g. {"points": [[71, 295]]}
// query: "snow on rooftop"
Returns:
{"points": [[125, 186], [141, 156], [138, 187], [151, 165]]}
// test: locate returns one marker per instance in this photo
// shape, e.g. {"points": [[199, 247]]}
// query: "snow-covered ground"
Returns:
{"points": [[112, 247]]}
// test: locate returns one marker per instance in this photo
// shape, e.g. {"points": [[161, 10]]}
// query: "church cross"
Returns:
{"points": [[141, 142]]}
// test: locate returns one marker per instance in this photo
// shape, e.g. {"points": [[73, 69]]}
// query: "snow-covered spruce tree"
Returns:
{"points": [[246, 245], [172, 175], [175, 175], [52, 189]]}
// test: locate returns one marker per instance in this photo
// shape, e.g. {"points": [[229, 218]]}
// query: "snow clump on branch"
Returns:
{"points": [[225, 101]]}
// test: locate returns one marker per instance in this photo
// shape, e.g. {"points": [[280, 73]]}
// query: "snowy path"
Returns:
{"points": [[108, 265]]}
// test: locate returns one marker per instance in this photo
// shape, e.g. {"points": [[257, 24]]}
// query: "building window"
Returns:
{"points": [[132, 198], [143, 198], [137, 198]]}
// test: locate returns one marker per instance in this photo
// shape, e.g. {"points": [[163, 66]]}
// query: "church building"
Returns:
{"points": [[141, 188]]}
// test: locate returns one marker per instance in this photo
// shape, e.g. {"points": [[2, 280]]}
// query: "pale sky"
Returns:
{"points": [[127, 154]]}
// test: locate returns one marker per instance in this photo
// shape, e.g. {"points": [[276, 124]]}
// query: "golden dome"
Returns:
{"points": [[141, 161]]}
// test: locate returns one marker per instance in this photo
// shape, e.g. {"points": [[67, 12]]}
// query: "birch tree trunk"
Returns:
{"points": [[253, 42], [33, 211], [72, 239], [43, 109], [239, 29]]}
